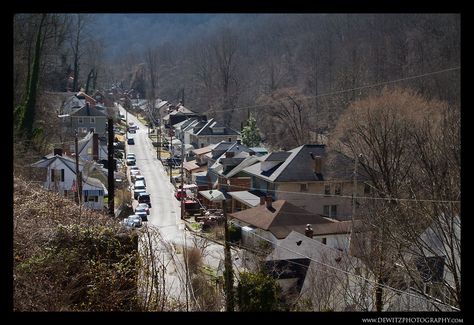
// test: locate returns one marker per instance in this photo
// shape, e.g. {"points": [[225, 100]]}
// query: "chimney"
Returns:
{"points": [[95, 146], [239, 141], [58, 152], [268, 201], [308, 232], [262, 200]]}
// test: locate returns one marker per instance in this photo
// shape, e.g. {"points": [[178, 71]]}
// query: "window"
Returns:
{"points": [[337, 189], [79, 120], [330, 211], [89, 151], [92, 120], [52, 175], [323, 240], [333, 211], [366, 188], [327, 189], [62, 175], [303, 187], [92, 199]]}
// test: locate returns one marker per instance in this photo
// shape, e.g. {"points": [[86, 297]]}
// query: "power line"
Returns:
{"points": [[342, 91], [355, 275], [349, 196]]}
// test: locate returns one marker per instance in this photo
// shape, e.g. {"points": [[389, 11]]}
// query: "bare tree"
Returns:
{"points": [[287, 113], [77, 41], [225, 47], [400, 137]]}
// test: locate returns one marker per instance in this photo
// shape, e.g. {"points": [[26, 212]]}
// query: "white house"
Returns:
{"points": [[91, 147], [61, 177]]}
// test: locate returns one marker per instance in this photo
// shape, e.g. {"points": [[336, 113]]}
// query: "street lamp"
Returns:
{"points": [[215, 196]]}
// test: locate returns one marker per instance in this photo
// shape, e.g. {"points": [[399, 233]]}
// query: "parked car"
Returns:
{"points": [[144, 198], [173, 161], [138, 188], [130, 141], [142, 214], [180, 194], [140, 178], [143, 207], [131, 161], [133, 221], [134, 173]]}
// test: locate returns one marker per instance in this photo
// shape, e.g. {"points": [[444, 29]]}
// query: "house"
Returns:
{"points": [[178, 114], [242, 200], [60, 176], [431, 268], [212, 132], [227, 160], [273, 221], [335, 234], [91, 147], [312, 177], [71, 104], [88, 99], [85, 119], [326, 278]]}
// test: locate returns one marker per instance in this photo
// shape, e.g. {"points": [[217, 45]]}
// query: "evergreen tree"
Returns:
{"points": [[251, 133], [257, 292]]}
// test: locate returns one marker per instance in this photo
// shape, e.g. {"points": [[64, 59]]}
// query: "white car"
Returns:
{"points": [[133, 221]]}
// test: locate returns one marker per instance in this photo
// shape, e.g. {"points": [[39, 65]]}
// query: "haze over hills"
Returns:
{"points": [[122, 32]]}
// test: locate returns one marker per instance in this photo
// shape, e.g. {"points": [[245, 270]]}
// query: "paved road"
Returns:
{"points": [[166, 211]]}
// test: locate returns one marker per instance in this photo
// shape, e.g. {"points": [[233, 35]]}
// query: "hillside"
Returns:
{"points": [[66, 259]]}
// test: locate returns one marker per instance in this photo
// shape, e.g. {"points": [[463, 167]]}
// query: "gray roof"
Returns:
{"points": [[245, 163], [211, 124], [278, 156], [245, 197], [94, 182], [49, 159], [88, 111], [288, 249], [299, 166]]}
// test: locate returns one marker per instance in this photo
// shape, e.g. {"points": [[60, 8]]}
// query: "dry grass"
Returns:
{"points": [[67, 257]]}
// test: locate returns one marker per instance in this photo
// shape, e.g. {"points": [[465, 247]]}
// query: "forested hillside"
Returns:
{"points": [[268, 61]]}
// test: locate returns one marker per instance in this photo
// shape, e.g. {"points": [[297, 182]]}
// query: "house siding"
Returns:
{"points": [[316, 203], [99, 123]]}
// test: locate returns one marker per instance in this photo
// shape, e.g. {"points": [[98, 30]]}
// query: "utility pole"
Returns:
{"points": [[111, 167], [171, 155], [354, 190], [182, 180], [228, 276], [78, 176]]}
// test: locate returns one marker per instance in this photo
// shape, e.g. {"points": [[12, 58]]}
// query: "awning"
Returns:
{"points": [[213, 195]]}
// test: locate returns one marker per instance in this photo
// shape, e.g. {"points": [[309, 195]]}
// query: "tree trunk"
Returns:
{"points": [[30, 102]]}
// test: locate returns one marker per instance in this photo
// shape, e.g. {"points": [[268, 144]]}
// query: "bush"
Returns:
{"points": [[235, 233]]}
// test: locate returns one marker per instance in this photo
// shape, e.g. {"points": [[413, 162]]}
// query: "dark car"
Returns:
{"points": [[142, 214], [174, 161], [144, 198], [131, 141]]}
